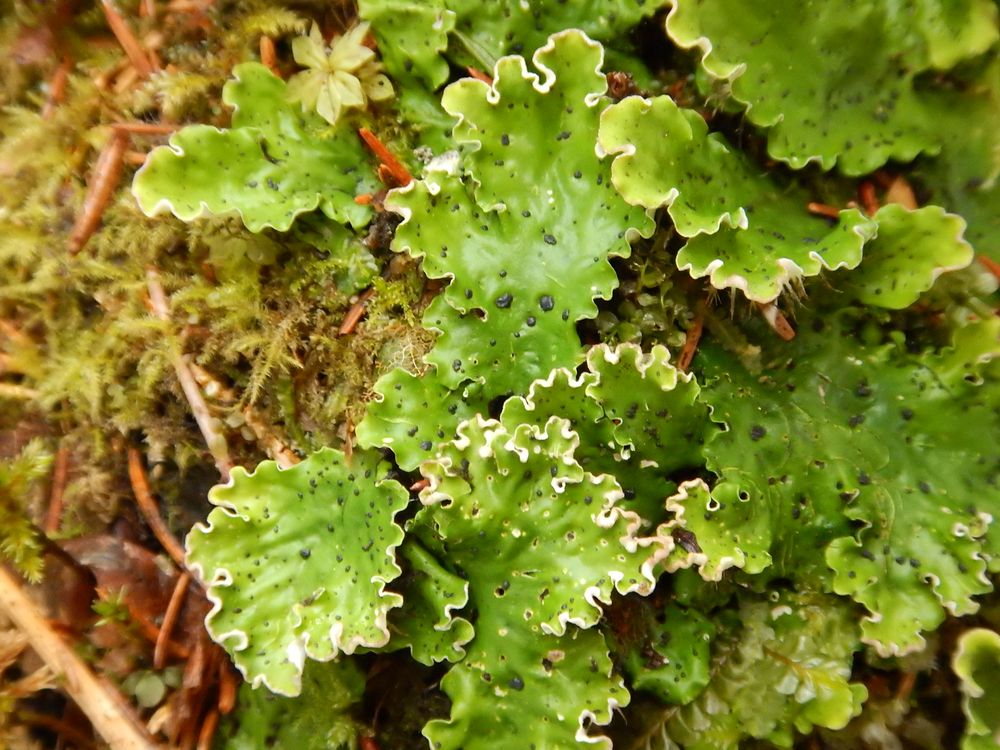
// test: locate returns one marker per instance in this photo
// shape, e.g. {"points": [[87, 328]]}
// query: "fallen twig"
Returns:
{"points": [[274, 447], [146, 128], [57, 88], [215, 440], [105, 708], [269, 55], [208, 727], [150, 512], [866, 194], [823, 209], [778, 322], [479, 75]]}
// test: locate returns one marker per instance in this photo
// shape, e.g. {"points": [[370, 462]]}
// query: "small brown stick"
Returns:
{"points": [[20, 392], [480, 75], [419, 485], [147, 506], [63, 729], [395, 166], [991, 265], [60, 475], [133, 49], [348, 440], [776, 320], [147, 9], [274, 447], [105, 708], [823, 209], [365, 199], [215, 440], [900, 191], [905, 687], [208, 727], [269, 55], [353, 316], [135, 158], [691, 343], [146, 128], [104, 178], [57, 88], [228, 685], [170, 619], [866, 194]]}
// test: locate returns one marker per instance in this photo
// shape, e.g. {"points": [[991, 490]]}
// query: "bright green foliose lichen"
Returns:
{"points": [[977, 664], [273, 164]]}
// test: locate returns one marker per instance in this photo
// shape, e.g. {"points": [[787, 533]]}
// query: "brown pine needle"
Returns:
{"points": [[866, 194], [146, 128], [354, 315], [823, 209], [269, 55], [208, 727], [479, 75], [150, 511], [170, 619], [991, 265], [395, 166], [133, 49], [778, 322], [57, 88], [104, 178], [691, 343], [60, 475], [228, 685]]}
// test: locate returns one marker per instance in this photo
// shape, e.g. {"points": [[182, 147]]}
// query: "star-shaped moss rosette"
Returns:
{"points": [[744, 231], [415, 36], [273, 164], [912, 250], [541, 543], [835, 434], [296, 562], [345, 75], [976, 662], [808, 73], [780, 665]]}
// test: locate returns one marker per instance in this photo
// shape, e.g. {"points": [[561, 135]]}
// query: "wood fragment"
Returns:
{"points": [[869, 201], [133, 49], [146, 128], [135, 158], [150, 511], [214, 439], [60, 475], [419, 485], [275, 448], [823, 209], [778, 322], [147, 9], [991, 265], [900, 191], [269, 55], [691, 343], [19, 392], [479, 75], [170, 619], [354, 315], [392, 164], [104, 706], [104, 178], [57, 88]]}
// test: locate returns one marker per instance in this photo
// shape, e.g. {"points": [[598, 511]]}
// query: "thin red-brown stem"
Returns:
{"points": [[348, 440], [776, 319], [479, 75], [905, 687], [823, 209], [208, 727], [104, 178], [419, 485], [365, 199], [133, 49], [395, 166], [147, 9], [60, 475], [357, 310], [150, 512], [170, 619], [57, 88], [228, 684], [866, 194], [691, 343], [268, 54], [991, 265], [135, 158], [146, 128]]}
